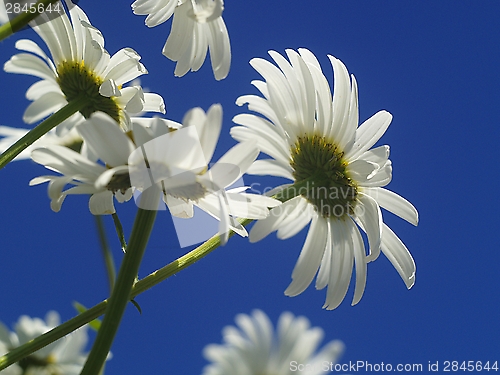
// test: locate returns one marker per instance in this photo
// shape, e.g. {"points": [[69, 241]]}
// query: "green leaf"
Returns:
{"points": [[137, 306], [94, 324]]}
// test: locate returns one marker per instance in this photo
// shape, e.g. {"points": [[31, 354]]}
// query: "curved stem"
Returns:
{"points": [[23, 19], [42, 128], [129, 268]]}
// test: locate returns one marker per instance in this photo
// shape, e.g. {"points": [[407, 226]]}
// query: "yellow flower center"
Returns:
{"points": [[75, 79], [319, 163]]}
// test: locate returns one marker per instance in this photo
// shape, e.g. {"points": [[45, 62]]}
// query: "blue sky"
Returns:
{"points": [[433, 65]]}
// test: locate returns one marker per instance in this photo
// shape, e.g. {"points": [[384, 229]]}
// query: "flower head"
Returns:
{"points": [[64, 356], [197, 27], [104, 141], [180, 164], [80, 68], [315, 141], [254, 348]]}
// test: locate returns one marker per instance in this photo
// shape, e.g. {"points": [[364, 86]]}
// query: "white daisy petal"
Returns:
{"points": [[233, 164], [369, 133], [394, 203], [43, 107], [400, 257], [102, 203], [25, 63], [360, 262], [270, 167], [368, 213], [104, 136], [263, 228], [309, 258]]}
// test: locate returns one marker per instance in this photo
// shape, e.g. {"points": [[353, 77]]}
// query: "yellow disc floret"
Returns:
{"points": [[75, 79], [319, 162]]}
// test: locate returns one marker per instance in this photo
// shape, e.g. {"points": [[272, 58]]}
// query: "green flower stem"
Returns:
{"points": [[23, 19], [120, 296], [42, 128], [141, 286], [106, 251]]}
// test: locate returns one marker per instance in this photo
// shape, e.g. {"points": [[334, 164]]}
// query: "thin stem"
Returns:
{"points": [[119, 232], [23, 19], [41, 129], [106, 251], [141, 231]]}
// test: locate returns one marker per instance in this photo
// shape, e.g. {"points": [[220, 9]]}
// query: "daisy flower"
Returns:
{"points": [[80, 66], [254, 348], [105, 141], [197, 26], [315, 141], [64, 356], [179, 163]]}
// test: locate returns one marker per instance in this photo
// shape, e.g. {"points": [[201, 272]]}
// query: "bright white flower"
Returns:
{"points": [[64, 356], [315, 141], [80, 66], [179, 163], [197, 26], [11, 135], [103, 140], [253, 348]]}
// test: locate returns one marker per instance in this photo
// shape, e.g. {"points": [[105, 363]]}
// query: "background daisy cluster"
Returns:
{"points": [[433, 65]]}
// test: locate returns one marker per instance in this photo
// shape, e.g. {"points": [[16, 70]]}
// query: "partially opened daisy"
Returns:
{"points": [[316, 142], [255, 348], [197, 26], [180, 163], [80, 69], [65, 356]]}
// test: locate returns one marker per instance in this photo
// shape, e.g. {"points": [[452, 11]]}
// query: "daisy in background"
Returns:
{"points": [[254, 348], [65, 356], [315, 141], [197, 26], [80, 66]]}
